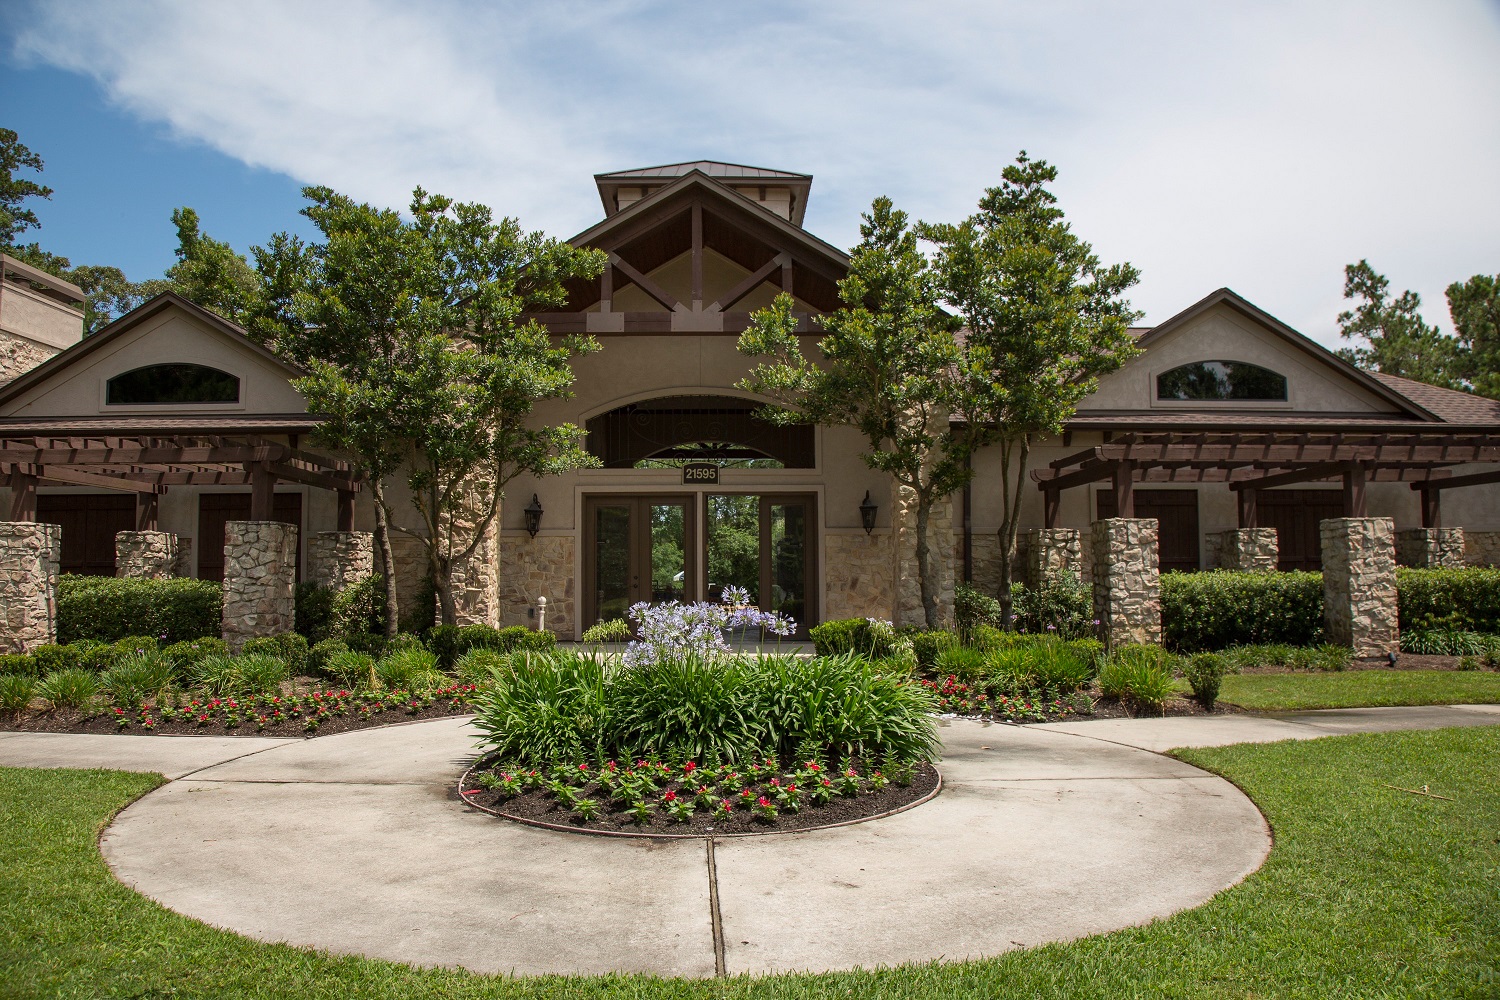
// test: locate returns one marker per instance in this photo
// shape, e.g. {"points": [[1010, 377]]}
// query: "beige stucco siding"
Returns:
{"points": [[1222, 334], [38, 318]]}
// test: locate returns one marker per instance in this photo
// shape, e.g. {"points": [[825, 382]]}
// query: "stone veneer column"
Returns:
{"points": [[1430, 548], [859, 576], [1482, 548], [1127, 581], [260, 578], [1051, 552], [29, 555], [531, 568], [340, 559], [1359, 584], [146, 555], [1253, 549]]}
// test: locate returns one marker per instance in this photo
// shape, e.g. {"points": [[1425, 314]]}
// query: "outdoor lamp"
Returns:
{"points": [[533, 516], [867, 511]]}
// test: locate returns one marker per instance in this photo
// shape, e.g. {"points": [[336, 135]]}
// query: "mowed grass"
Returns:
{"points": [[1369, 892], [1359, 689]]}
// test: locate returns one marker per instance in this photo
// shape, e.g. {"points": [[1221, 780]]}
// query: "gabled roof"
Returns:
{"points": [[1450, 405], [128, 322], [650, 179], [713, 168], [1226, 297]]}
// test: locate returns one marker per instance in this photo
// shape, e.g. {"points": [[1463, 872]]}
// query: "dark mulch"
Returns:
{"points": [[72, 720], [540, 806]]}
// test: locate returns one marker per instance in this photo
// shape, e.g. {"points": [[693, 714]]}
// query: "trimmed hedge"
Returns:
{"points": [[107, 609], [1218, 609], [449, 642], [1461, 600]]}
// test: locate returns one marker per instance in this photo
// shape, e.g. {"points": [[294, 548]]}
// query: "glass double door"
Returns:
{"points": [[651, 548]]}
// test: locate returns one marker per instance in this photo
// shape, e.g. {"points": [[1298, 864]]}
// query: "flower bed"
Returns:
{"points": [[651, 798], [315, 713]]}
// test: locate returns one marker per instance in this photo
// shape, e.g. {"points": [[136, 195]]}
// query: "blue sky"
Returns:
{"points": [[1257, 146]]}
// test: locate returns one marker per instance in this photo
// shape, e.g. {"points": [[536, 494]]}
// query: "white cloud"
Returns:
{"points": [[1261, 146]]}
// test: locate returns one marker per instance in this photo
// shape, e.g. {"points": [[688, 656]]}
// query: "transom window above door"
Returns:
{"points": [[672, 430], [1220, 380]]}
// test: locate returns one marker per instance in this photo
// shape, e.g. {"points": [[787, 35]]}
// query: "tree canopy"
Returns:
{"points": [[1390, 334]]}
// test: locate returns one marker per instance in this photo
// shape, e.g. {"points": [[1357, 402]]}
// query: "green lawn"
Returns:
{"points": [[1359, 689], [1369, 892]]}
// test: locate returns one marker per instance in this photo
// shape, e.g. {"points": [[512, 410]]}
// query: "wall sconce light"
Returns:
{"points": [[533, 516], [867, 511]]}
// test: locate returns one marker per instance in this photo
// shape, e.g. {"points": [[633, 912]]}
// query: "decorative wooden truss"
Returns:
{"points": [[148, 464], [1250, 461]]}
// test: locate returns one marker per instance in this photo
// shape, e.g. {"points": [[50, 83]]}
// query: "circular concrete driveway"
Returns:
{"points": [[355, 844]]}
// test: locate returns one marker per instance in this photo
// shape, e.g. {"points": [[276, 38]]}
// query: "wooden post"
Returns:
{"points": [[1248, 512], [262, 492], [786, 274], [697, 291], [346, 510], [146, 511], [22, 496], [1432, 508], [1354, 491], [1051, 501], [606, 287], [1124, 483]]}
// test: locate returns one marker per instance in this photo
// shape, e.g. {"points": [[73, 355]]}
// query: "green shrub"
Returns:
{"points": [[371, 643], [1465, 600], [519, 637], [852, 635], [358, 608], [929, 645], [217, 674], [259, 673], [187, 654], [417, 615], [321, 653], [964, 662], [18, 664], [289, 647], [50, 658], [1062, 606], [1447, 642], [1059, 668], [134, 644], [92, 655], [973, 607], [109, 608], [1327, 657], [1204, 671], [16, 691], [614, 630], [567, 705], [68, 688], [1218, 609], [478, 665], [990, 638], [449, 642], [409, 670], [314, 610], [352, 669], [1140, 675], [1090, 649], [136, 677]]}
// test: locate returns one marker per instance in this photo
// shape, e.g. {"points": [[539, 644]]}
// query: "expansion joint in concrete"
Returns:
{"points": [[721, 969]]}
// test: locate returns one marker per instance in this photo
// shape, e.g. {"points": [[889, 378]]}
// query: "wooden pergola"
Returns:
{"points": [[1249, 462], [148, 464]]}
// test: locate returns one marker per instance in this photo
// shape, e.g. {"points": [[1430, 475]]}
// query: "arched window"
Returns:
{"points": [[174, 383], [1221, 380], [672, 430]]}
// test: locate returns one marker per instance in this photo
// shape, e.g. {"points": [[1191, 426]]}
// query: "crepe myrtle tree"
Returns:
{"points": [[1043, 320], [413, 336], [890, 367]]}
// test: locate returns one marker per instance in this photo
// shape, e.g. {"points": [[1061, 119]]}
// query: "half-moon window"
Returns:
{"points": [[177, 383], [675, 430], [1221, 380]]}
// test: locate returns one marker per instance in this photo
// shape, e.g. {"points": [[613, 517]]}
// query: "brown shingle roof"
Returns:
{"points": [[1450, 405]]}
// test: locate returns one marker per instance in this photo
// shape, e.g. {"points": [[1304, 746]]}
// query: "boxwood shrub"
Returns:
{"points": [[107, 609], [1218, 609], [1463, 600]]}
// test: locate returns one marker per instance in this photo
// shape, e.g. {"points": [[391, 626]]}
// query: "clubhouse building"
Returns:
{"points": [[170, 425]]}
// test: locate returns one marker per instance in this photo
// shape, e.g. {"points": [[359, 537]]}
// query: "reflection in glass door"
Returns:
{"points": [[636, 549], [764, 545]]}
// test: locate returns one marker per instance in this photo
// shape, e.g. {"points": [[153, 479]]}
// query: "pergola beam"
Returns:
{"points": [[1474, 479]]}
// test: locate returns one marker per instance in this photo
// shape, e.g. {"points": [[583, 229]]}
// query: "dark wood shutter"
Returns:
{"points": [[215, 510], [1176, 512], [1295, 515], [89, 524]]}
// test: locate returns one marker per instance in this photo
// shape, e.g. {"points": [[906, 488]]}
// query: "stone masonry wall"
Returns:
{"points": [[1430, 548], [1051, 552], [340, 559], [940, 541], [29, 555], [859, 577], [1482, 548], [145, 555], [1359, 584], [1248, 549], [538, 567], [260, 575], [19, 355], [1127, 581]]}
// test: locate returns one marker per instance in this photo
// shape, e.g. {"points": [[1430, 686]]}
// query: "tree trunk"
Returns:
{"points": [[924, 569], [387, 558], [442, 585], [1011, 518]]}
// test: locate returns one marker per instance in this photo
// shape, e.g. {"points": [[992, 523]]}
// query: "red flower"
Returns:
{"points": [[689, 767], [746, 795], [702, 789], [583, 767], [813, 767], [726, 806], [776, 782], [762, 801], [671, 796]]}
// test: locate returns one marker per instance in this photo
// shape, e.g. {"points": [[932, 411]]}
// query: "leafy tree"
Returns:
{"points": [[209, 272], [1396, 340], [15, 217], [1475, 308], [1043, 318], [890, 367], [415, 345]]}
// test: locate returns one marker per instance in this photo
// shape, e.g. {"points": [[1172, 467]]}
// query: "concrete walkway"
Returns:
{"points": [[355, 843]]}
